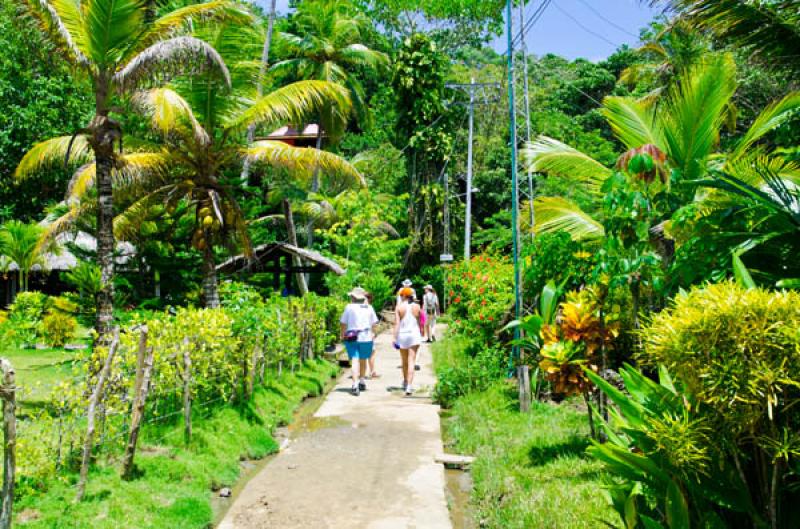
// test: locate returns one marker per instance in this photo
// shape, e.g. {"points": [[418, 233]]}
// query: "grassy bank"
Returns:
{"points": [[530, 469], [174, 482]]}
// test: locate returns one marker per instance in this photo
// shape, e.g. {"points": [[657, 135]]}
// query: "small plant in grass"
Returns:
{"points": [[58, 328]]}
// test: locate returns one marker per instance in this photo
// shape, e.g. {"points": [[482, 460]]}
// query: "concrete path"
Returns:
{"points": [[369, 464]]}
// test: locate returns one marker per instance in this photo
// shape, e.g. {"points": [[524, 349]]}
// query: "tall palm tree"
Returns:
{"points": [[685, 126], [20, 243], [203, 128], [109, 41], [329, 46]]}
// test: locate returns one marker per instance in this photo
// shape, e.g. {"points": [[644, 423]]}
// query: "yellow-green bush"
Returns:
{"points": [[734, 348], [58, 328]]}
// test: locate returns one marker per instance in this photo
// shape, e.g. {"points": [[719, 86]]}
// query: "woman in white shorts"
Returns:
{"points": [[408, 336]]}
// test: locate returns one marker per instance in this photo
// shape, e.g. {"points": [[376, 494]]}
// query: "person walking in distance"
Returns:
{"points": [[430, 306], [408, 336], [372, 372], [358, 332]]}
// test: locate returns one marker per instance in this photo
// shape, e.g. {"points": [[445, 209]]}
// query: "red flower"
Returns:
{"points": [[480, 316], [480, 290], [491, 318], [457, 300], [483, 302], [452, 293]]}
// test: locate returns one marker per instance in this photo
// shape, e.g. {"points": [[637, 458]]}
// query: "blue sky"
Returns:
{"points": [[559, 29], [591, 29]]}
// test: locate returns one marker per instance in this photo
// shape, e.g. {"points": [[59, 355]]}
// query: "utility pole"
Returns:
{"points": [[446, 256], [526, 112], [472, 89], [514, 181]]}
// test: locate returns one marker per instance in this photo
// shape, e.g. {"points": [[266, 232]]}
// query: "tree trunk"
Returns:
{"points": [[588, 402], [210, 287], [287, 212], [8, 393]]}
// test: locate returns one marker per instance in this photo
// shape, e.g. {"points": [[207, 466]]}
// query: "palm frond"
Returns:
{"points": [[550, 156], [169, 113], [770, 29], [293, 103], [358, 54], [142, 170], [110, 27], [772, 117], [166, 59], [303, 162], [65, 219], [63, 20], [555, 214], [53, 151], [181, 21], [632, 122], [695, 112]]}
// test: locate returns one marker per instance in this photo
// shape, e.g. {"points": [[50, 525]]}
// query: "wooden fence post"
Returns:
{"points": [[187, 392], [524, 381], [8, 394], [144, 368], [95, 397]]}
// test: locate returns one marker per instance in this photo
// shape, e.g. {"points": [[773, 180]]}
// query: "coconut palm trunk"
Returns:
{"points": [[210, 285], [104, 132]]}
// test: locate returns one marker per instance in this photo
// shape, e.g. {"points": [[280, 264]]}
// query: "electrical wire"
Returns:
{"points": [[607, 21], [586, 29]]}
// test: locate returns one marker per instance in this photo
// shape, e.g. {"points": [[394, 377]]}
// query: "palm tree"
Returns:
{"points": [[20, 243], [329, 46], [109, 41], [673, 49], [685, 126], [203, 128], [770, 29]]}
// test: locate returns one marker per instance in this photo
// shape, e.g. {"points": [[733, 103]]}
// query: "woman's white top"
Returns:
{"points": [[360, 317], [408, 335]]}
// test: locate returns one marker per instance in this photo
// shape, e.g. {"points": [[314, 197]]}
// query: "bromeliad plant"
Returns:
{"points": [[575, 342]]}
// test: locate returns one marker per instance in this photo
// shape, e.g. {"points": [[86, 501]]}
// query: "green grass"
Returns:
{"points": [[530, 469], [39, 370], [173, 487]]}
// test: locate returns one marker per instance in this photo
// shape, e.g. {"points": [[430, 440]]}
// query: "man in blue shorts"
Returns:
{"points": [[358, 332]]}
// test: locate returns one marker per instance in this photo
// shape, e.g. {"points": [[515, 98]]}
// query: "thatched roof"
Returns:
{"points": [[263, 252], [62, 259]]}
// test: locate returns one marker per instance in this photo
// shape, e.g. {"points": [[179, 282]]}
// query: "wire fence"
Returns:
{"points": [[148, 391]]}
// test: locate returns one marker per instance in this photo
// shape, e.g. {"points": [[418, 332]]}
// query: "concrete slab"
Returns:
{"points": [[372, 466]]}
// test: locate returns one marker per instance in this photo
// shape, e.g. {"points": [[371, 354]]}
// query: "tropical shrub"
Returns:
{"points": [[720, 444], [30, 306], [58, 328], [556, 257], [481, 296], [671, 471], [469, 374]]}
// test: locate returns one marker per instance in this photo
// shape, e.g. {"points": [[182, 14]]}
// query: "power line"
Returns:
{"points": [[607, 21], [533, 19], [580, 25]]}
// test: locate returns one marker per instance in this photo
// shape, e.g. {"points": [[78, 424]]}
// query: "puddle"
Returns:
{"points": [[458, 485]]}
